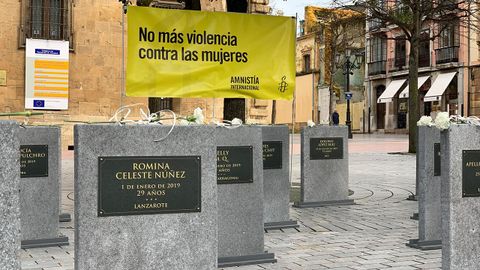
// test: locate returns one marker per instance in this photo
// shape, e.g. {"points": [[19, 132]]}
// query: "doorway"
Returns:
{"points": [[234, 108], [381, 108]]}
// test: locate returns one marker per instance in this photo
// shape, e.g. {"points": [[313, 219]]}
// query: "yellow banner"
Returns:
{"points": [[179, 53]]}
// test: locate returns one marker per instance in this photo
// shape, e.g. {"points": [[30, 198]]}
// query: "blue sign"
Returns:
{"points": [[38, 103], [348, 95], [47, 51]]}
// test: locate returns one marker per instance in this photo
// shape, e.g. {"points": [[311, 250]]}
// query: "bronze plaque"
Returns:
{"points": [[33, 161], [234, 164], [437, 160], [148, 185], [272, 155], [326, 148], [471, 173]]}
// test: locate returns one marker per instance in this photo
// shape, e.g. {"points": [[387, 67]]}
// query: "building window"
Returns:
{"points": [[237, 6], [306, 63], [400, 52], [378, 49], [449, 35], [46, 19]]}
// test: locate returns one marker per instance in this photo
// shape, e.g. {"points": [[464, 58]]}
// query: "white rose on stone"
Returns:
{"points": [[442, 121], [310, 123], [198, 114], [237, 122], [425, 121]]}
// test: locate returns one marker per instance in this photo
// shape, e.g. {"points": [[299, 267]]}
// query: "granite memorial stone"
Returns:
{"points": [[276, 182], [40, 173], [141, 204], [460, 169], [240, 204], [9, 196], [324, 166], [429, 182]]}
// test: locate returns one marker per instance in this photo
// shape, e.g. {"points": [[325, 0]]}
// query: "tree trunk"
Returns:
{"points": [[413, 107]]}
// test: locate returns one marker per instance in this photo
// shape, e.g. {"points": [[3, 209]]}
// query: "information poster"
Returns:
{"points": [[46, 74]]}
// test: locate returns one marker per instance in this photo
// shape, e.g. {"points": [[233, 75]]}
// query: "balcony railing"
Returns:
{"points": [[397, 64], [377, 67], [446, 55]]}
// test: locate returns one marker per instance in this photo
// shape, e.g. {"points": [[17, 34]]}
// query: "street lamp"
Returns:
{"points": [[348, 66]]}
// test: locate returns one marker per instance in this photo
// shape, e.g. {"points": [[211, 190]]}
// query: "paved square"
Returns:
{"points": [[369, 235]]}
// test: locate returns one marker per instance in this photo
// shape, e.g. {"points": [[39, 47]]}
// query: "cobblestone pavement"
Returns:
{"points": [[369, 235]]}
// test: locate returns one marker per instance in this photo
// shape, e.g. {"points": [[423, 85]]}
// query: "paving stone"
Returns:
{"points": [[378, 226]]}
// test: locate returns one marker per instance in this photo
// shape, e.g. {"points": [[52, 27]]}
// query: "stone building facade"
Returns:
{"points": [[96, 78], [448, 72], [316, 60]]}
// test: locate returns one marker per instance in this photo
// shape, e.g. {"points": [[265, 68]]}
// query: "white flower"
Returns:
{"points": [[425, 121], [250, 122], [310, 123], [198, 114], [183, 122], [442, 121], [236, 122]]}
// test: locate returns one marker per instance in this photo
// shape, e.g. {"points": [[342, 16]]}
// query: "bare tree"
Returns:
{"points": [[412, 17], [339, 30]]}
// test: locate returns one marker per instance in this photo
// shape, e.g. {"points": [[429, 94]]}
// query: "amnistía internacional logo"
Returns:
{"points": [[283, 85]]}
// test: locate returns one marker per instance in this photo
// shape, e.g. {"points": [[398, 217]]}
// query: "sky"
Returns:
{"points": [[291, 7]]}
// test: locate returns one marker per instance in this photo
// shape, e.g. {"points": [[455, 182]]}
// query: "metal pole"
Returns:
{"points": [[348, 122], [313, 82], [124, 10], [363, 117], [293, 114], [469, 69]]}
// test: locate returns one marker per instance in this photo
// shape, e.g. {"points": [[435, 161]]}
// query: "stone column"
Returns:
{"points": [[460, 148], [324, 166], [9, 196], [141, 204], [40, 186], [240, 197], [276, 178], [429, 181]]}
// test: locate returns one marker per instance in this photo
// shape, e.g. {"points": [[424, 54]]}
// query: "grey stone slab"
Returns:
{"points": [[40, 196], [460, 215], [155, 241], [9, 196], [429, 216], [240, 206], [323, 181], [276, 182]]}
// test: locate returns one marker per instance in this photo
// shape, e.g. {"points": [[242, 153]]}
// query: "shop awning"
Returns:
{"points": [[391, 91], [421, 81], [438, 87]]}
